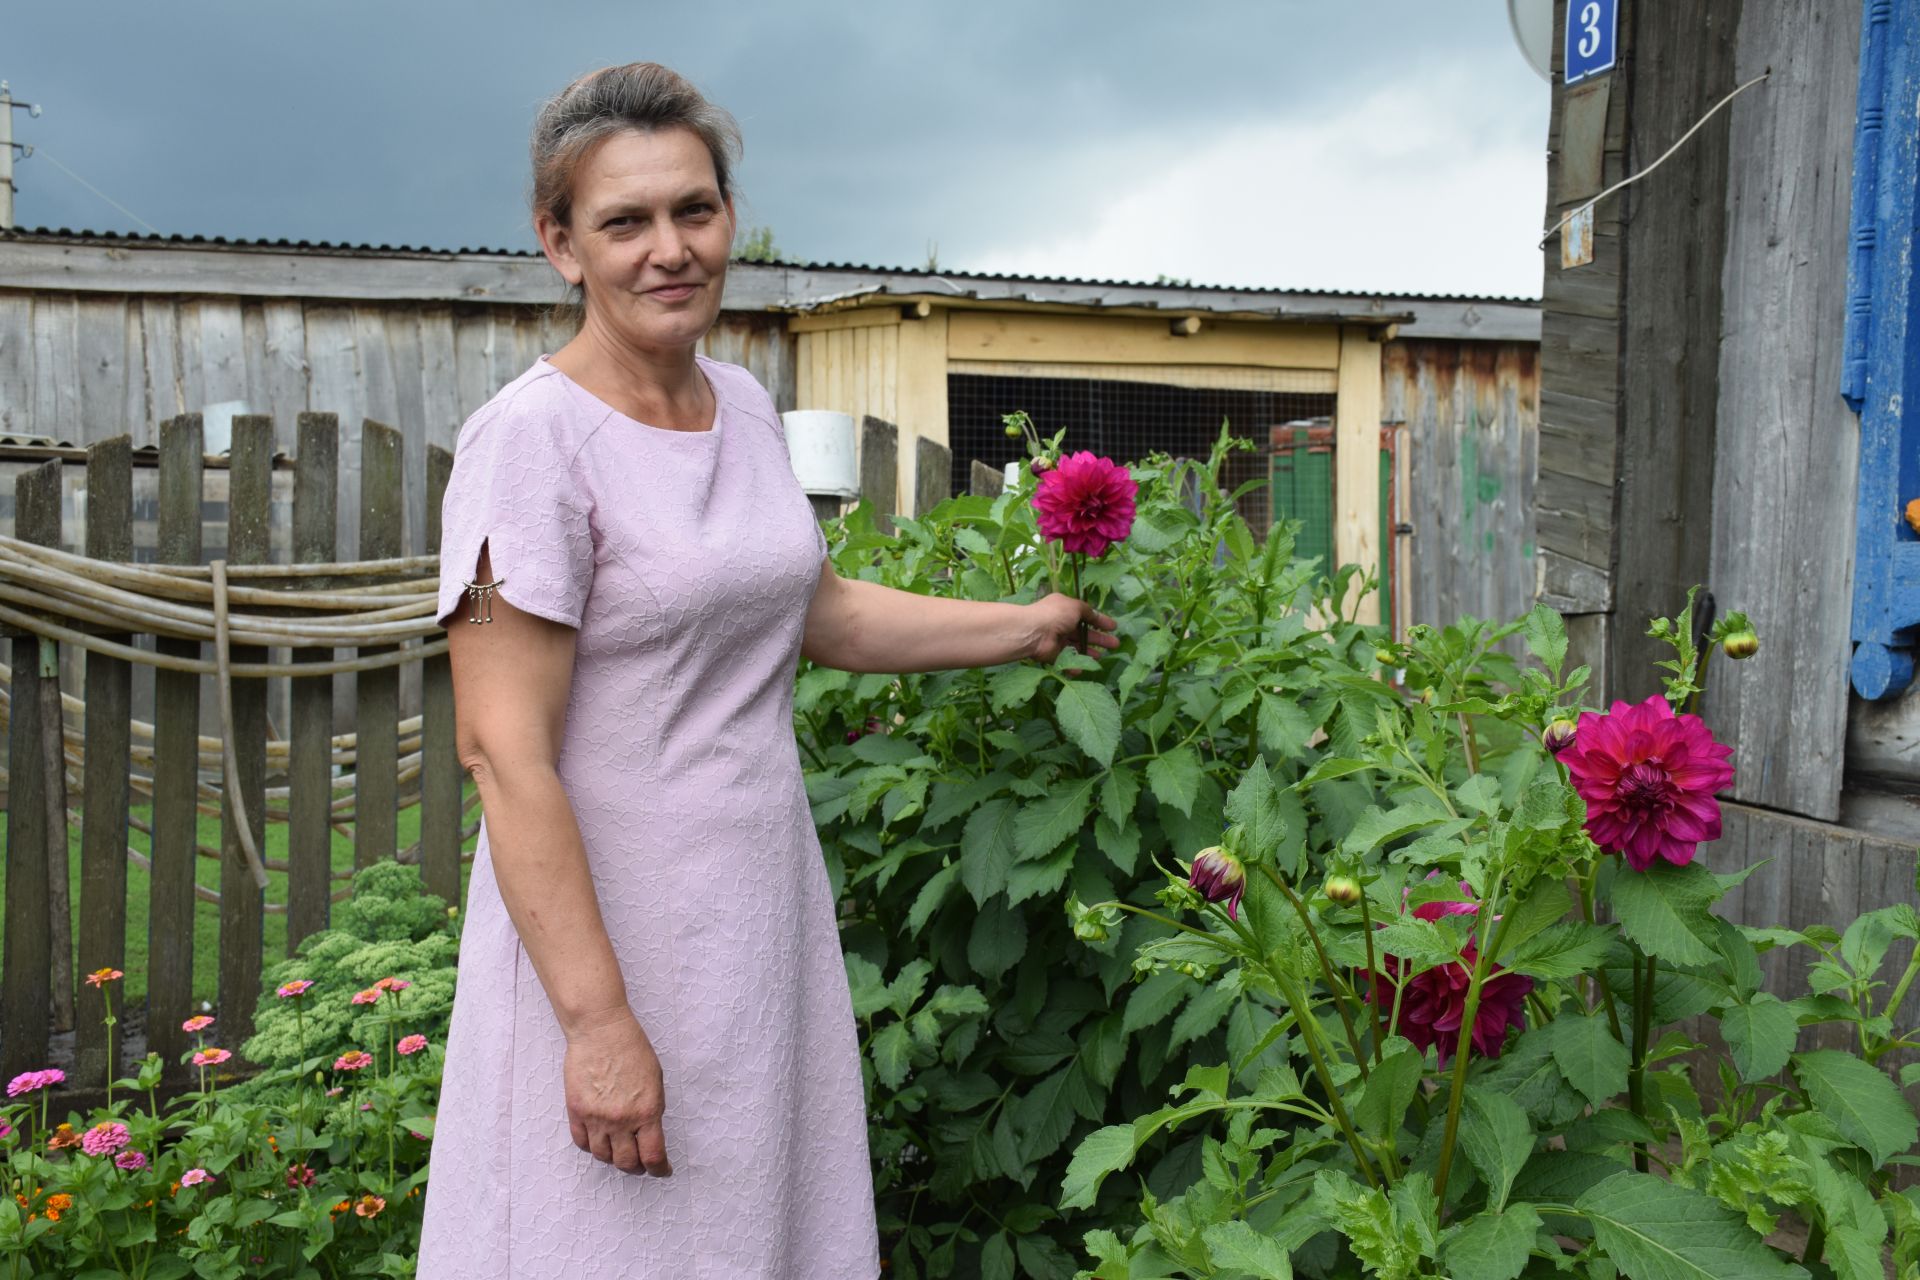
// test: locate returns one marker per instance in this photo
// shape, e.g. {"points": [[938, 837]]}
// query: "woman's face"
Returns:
{"points": [[649, 239]]}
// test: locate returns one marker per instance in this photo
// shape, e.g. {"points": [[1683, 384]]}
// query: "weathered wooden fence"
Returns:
{"points": [[108, 761]]}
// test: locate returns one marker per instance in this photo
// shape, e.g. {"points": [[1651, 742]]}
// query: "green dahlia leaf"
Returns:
{"points": [[1175, 778], [1860, 1100], [1653, 1229], [1236, 1246], [1589, 1057], [1760, 1034], [1090, 718], [1497, 1138], [1492, 1246], [1100, 1153], [1664, 909]]}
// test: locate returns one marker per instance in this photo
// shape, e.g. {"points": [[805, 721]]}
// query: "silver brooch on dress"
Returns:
{"points": [[480, 599]]}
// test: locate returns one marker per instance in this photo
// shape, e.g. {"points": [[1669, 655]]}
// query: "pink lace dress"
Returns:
{"points": [[687, 561]]}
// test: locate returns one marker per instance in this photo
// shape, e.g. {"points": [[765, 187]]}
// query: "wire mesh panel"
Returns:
{"points": [[1126, 420]]}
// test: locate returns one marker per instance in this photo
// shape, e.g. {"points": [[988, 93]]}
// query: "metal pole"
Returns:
{"points": [[6, 157]]}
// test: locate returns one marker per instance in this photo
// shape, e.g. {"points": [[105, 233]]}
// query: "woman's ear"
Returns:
{"points": [[556, 241]]}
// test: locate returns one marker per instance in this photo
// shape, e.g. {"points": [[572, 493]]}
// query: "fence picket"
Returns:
{"points": [[439, 765], [242, 903], [310, 733], [176, 762], [377, 693], [104, 791], [28, 946]]}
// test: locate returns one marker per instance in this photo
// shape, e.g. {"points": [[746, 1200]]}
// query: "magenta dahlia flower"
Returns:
{"points": [[1648, 777], [1085, 503], [1220, 877], [1435, 1001]]}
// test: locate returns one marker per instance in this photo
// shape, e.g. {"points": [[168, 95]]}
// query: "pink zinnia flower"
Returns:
{"points": [[1085, 503], [1648, 777], [131, 1160], [99, 977], [199, 1022], [336, 1091], [392, 984], [298, 987], [210, 1057], [353, 1060], [1435, 1001], [6, 1129], [28, 1081], [104, 1138], [411, 1044], [370, 996], [194, 1177], [298, 1175]]}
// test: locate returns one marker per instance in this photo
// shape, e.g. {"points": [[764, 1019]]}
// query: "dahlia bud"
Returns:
{"points": [[1741, 644], [1344, 890], [1013, 432], [1558, 735], [1040, 465], [1219, 877]]}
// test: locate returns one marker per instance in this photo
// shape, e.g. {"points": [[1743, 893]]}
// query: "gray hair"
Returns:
{"points": [[639, 95]]}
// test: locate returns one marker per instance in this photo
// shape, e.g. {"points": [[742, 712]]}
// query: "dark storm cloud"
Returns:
{"points": [[871, 129]]}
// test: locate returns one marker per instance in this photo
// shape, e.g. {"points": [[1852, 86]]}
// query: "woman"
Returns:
{"points": [[653, 1069]]}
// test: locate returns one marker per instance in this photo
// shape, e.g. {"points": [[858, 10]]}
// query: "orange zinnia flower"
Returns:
{"points": [[61, 1201], [100, 976], [367, 1206]]}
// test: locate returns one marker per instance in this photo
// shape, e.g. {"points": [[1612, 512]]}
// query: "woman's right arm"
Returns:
{"points": [[511, 679]]}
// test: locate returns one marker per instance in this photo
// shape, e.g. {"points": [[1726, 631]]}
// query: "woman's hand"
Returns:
{"points": [[1059, 622], [615, 1095]]}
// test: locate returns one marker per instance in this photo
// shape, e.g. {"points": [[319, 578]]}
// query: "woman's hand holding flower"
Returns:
{"points": [[1058, 621]]}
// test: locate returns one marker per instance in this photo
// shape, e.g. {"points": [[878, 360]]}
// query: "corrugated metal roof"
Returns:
{"points": [[334, 247]]}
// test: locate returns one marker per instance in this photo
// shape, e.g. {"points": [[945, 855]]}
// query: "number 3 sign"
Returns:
{"points": [[1590, 32]]}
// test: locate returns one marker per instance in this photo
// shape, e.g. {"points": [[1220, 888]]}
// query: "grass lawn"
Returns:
{"points": [[206, 915]]}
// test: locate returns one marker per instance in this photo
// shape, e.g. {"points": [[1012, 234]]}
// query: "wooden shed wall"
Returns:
{"points": [[1468, 414], [85, 366]]}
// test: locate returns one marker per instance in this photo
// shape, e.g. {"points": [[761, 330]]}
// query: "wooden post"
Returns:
{"points": [[107, 732], [1356, 462], [880, 469], [439, 765], [933, 474], [176, 762], [985, 480], [310, 735], [37, 519], [28, 946], [249, 495], [377, 693]]}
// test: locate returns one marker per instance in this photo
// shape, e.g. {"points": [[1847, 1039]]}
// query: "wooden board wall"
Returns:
{"points": [[1786, 469], [1468, 414], [1579, 377], [1674, 229]]}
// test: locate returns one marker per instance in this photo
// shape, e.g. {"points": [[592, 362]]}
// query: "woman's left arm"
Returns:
{"points": [[862, 626]]}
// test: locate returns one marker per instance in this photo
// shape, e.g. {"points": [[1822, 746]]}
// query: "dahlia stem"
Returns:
{"points": [[1373, 971], [1326, 967], [1606, 990], [1642, 1023], [1484, 953], [1078, 557]]}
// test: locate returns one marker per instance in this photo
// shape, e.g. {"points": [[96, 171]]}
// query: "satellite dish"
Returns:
{"points": [[1532, 23]]}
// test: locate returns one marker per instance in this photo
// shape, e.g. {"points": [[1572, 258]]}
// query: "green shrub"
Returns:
{"points": [[391, 926], [957, 832]]}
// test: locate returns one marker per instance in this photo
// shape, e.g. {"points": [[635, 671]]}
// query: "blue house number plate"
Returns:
{"points": [[1590, 37]]}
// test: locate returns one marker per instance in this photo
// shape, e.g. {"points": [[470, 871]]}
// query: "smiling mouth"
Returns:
{"points": [[673, 290]]}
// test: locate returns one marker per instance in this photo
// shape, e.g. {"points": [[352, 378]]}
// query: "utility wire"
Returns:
{"points": [[48, 155], [1626, 182]]}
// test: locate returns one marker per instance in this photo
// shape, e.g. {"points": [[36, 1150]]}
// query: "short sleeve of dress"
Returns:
{"points": [[515, 490]]}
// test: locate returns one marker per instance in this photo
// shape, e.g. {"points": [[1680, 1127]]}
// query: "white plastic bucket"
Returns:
{"points": [[820, 446]]}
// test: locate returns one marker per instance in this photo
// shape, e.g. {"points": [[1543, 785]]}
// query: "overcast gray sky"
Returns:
{"points": [[1386, 145]]}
